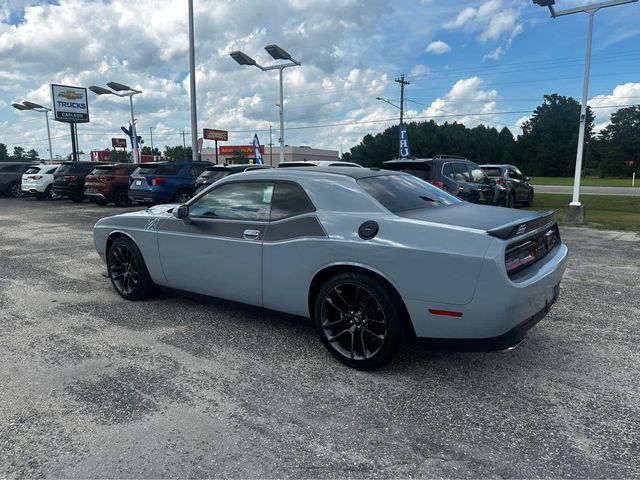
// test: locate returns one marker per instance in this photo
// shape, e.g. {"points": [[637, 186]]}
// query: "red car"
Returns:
{"points": [[111, 184]]}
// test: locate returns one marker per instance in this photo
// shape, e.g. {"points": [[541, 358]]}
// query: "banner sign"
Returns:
{"points": [[405, 151], [70, 104], [210, 134], [119, 142], [257, 154], [244, 149]]}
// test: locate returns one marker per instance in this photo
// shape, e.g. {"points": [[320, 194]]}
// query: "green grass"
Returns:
{"points": [[602, 211], [587, 181]]}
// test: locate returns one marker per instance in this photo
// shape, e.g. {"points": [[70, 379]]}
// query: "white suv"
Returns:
{"points": [[38, 180], [318, 163]]}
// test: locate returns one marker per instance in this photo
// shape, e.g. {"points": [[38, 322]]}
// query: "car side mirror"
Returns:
{"points": [[181, 212]]}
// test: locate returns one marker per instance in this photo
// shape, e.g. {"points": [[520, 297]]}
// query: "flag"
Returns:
{"points": [[256, 149], [405, 151]]}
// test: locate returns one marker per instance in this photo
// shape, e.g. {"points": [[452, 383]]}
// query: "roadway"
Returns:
{"points": [[624, 191]]}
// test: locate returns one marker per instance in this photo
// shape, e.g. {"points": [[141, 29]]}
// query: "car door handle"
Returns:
{"points": [[251, 234]]}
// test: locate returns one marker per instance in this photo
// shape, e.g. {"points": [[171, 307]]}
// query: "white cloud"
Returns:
{"points": [[438, 47], [622, 95]]}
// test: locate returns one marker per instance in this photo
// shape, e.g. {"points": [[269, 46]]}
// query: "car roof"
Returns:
{"points": [[304, 172], [155, 164], [317, 163], [497, 165]]}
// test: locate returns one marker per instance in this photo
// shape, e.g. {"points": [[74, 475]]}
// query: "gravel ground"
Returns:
{"points": [[94, 386]]}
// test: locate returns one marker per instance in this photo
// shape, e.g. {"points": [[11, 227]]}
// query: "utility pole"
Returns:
{"points": [[402, 83], [151, 136], [184, 146], [270, 147]]}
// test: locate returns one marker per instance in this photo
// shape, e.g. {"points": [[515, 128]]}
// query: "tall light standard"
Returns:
{"points": [[278, 54], [576, 209], [401, 116], [38, 108], [128, 92]]}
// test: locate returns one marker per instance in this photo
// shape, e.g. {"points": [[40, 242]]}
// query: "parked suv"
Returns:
{"points": [[165, 182], [110, 183], [318, 163], [11, 178], [456, 175], [38, 180], [216, 172], [516, 185], [68, 181]]}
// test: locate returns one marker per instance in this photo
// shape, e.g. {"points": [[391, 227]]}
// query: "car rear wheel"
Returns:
{"points": [[127, 270], [183, 196], [15, 190], [121, 198], [359, 321]]}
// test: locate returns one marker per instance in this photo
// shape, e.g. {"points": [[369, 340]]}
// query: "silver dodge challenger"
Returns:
{"points": [[372, 256]]}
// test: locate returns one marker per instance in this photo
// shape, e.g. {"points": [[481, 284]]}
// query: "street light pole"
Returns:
{"points": [[129, 92], [192, 85], [278, 54], [26, 105], [591, 10]]}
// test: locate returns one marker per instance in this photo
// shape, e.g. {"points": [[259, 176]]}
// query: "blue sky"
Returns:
{"points": [[484, 61]]}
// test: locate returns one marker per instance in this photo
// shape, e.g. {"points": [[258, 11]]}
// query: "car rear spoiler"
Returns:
{"points": [[515, 229]]}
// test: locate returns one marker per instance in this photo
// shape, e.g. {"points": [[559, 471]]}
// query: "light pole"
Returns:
{"points": [[576, 209], [128, 92], [278, 54], [38, 108]]}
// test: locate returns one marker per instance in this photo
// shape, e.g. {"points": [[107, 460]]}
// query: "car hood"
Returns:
{"points": [[480, 217]]}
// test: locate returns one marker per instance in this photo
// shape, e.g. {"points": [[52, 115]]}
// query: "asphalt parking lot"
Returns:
{"points": [[94, 386]]}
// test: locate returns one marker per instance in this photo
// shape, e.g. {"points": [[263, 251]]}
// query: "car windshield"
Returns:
{"points": [[399, 193], [492, 171]]}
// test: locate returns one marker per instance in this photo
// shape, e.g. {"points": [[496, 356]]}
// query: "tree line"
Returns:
{"points": [[546, 147]]}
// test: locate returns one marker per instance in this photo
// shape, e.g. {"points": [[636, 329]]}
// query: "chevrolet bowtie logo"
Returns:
{"points": [[69, 95]]}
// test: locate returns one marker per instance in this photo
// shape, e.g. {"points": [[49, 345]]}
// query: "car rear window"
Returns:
{"points": [[420, 170], [31, 170], [491, 171], [215, 175], [168, 169], [296, 164], [101, 170], [399, 193]]}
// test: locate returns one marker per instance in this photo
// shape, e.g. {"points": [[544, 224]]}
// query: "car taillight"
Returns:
{"points": [[70, 178], [501, 181], [157, 181], [519, 256], [105, 178], [34, 177], [437, 184]]}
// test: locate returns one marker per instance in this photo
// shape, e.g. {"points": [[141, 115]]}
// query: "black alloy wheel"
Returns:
{"points": [[127, 270], [121, 198], [183, 196], [15, 190], [358, 320]]}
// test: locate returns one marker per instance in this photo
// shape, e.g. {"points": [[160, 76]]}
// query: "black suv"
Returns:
{"points": [[216, 172], [68, 181], [456, 175], [11, 178], [516, 185]]}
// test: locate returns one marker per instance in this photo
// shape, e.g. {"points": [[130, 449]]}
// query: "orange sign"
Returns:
{"points": [[233, 149]]}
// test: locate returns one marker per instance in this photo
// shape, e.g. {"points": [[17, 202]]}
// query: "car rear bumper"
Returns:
{"points": [[502, 309], [34, 187], [68, 190], [141, 196], [95, 196]]}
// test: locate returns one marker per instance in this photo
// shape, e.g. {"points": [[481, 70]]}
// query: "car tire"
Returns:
{"points": [[359, 321], [121, 198], [529, 202], [15, 190], [127, 270], [182, 196]]}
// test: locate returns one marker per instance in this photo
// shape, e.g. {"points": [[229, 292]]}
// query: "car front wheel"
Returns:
{"points": [[183, 196], [15, 190], [127, 270], [359, 321]]}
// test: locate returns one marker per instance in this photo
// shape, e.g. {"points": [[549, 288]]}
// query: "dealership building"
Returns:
{"points": [[270, 155]]}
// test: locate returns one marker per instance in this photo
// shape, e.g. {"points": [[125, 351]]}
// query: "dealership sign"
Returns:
{"points": [[119, 142], [210, 134], [243, 149], [69, 104]]}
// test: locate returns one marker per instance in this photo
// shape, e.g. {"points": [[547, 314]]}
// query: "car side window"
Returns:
{"points": [[236, 201], [289, 199], [447, 170], [461, 173], [512, 173], [51, 170], [477, 175]]}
